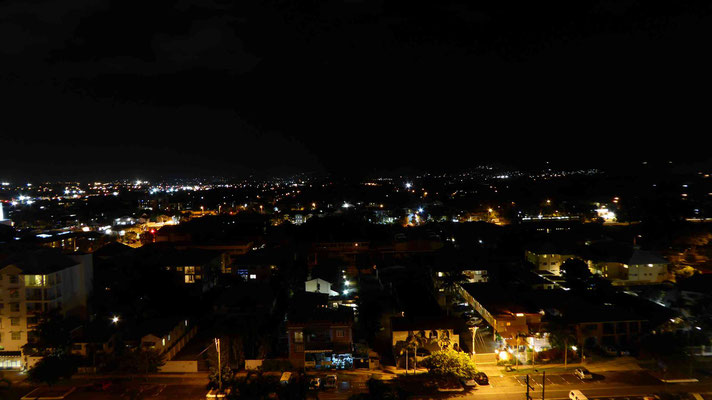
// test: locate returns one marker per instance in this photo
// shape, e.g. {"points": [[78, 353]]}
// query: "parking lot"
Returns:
{"points": [[567, 379]]}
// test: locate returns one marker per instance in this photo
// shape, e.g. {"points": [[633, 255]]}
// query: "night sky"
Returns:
{"points": [[120, 88]]}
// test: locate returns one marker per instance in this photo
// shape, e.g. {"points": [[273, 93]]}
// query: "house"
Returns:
{"points": [[318, 285], [166, 335], [548, 256], [194, 268], [94, 342], [258, 265], [320, 337], [626, 265]]}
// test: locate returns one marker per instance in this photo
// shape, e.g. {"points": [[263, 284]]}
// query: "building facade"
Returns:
{"points": [[35, 283]]}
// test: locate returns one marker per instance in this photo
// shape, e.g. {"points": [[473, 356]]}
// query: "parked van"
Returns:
{"points": [[286, 377], [577, 395]]}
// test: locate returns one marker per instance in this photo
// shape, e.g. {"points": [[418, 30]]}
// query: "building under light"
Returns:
{"points": [[4, 221], [33, 283]]}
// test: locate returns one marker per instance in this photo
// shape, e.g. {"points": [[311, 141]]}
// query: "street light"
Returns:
{"points": [[217, 347], [474, 353], [115, 319]]}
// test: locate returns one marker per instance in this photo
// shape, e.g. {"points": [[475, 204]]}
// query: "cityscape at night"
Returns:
{"points": [[355, 199]]}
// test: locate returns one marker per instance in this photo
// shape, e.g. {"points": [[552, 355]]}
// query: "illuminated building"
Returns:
{"points": [[4, 221], [35, 282]]}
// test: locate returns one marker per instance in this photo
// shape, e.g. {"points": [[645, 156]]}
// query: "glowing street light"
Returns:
{"points": [[115, 319]]}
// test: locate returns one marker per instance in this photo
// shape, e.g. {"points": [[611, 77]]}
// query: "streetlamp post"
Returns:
{"points": [[474, 352], [217, 347]]}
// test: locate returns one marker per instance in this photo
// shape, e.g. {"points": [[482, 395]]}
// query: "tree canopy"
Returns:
{"points": [[450, 363]]}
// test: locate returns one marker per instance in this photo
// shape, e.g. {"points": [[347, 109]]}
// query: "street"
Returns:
{"points": [[613, 385], [617, 384]]}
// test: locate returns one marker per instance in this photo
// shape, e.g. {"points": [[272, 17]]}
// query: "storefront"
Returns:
{"points": [[11, 360], [327, 359]]}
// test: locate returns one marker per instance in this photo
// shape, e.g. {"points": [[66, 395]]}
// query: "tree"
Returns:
{"points": [[50, 369], [450, 363], [52, 340], [450, 283], [413, 342], [576, 272], [51, 335], [139, 361], [560, 333]]}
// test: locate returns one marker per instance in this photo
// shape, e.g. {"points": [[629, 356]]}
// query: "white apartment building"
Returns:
{"points": [[33, 282]]}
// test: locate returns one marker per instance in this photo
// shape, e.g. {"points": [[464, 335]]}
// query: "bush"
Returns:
{"points": [[450, 363]]}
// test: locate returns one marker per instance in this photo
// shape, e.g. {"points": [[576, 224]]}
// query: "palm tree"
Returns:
{"points": [[450, 283], [414, 342], [560, 335], [443, 339]]}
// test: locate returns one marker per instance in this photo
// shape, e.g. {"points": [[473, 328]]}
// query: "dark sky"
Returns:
{"points": [[114, 88]]}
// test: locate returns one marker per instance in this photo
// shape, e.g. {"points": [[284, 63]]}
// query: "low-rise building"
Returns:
{"points": [[321, 338], [634, 267], [438, 332], [166, 335], [318, 285]]}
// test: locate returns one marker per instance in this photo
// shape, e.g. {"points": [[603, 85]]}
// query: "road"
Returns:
{"points": [[619, 385], [187, 387]]}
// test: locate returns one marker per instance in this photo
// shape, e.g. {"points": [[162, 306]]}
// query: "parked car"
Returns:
{"points": [[610, 350], [577, 395], [314, 383], [481, 378], [101, 386], [623, 352], [468, 383], [583, 373], [286, 378], [329, 382]]}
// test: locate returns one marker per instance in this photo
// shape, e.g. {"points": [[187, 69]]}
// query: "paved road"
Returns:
{"points": [[618, 385], [184, 388]]}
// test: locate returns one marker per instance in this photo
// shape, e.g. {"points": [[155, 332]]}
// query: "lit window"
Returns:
{"points": [[299, 337]]}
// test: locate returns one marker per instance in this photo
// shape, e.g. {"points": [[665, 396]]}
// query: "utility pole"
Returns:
{"points": [[529, 397], [543, 384], [566, 352], [217, 347]]}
